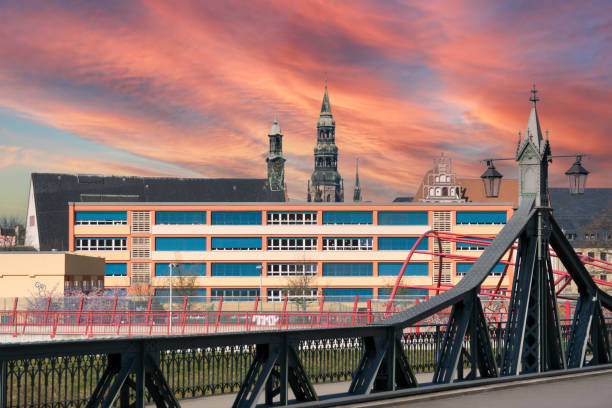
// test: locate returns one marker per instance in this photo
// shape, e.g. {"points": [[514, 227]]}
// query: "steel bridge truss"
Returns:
{"points": [[532, 341]]}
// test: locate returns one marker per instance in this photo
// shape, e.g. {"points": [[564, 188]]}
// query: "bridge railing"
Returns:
{"points": [[69, 380]]}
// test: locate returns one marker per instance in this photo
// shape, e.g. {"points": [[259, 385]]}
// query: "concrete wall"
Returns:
{"points": [[27, 274]]}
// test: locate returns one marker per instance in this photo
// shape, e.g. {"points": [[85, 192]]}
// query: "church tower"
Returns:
{"points": [[326, 184], [357, 191], [533, 153], [275, 159]]}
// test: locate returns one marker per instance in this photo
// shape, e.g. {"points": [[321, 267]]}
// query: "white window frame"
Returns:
{"points": [[100, 244], [347, 244], [291, 243], [293, 218], [292, 269]]}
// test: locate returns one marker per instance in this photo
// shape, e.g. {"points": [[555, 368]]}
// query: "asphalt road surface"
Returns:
{"points": [[592, 391]]}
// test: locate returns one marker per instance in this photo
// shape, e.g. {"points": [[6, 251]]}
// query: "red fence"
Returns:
{"points": [[136, 323]]}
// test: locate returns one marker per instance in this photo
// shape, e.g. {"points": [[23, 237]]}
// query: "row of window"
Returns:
{"points": [[290, 217], [255, 243], [274, 244], [83, 285], [481, 217], [293, 269], [463, 267], [101, 244], [100, 218], [278, 294]]}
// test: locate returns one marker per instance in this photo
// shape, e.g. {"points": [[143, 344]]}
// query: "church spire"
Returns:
{"points": [[326, 182], [357, 191], [275, 159], [325, 105], [533, 124]]}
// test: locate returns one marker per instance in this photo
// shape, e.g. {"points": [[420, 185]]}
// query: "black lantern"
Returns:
{"points": [[577, 176], [491, 179]]}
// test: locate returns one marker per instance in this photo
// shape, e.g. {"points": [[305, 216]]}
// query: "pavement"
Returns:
{"points": [[586, 390], [226, 400]]}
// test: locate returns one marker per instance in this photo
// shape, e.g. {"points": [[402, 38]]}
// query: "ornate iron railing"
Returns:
{"points": [[69, 381]]}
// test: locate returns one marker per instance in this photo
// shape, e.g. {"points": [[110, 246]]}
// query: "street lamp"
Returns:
{"points": [[170, 270], [259, 268], [577, 176], [491, 180]]}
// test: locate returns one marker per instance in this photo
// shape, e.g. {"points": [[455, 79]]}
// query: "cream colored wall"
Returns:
{"points": [[476, 229], [101, 229], [294, 256], [289, 230], [116, 281], [25, 285], [108, 255], [19, 272]]}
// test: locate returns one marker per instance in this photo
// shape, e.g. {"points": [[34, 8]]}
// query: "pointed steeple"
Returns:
{"points": [[325, 105], [533, 156], [357, 190], [533, 124], [275, 128]]}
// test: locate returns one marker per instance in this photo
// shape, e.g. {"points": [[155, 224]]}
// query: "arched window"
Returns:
{"points": [[445, 192], [432, 191], [437, 192]]}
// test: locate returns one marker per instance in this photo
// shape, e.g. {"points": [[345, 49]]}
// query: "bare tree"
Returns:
{"points": [[299, 290]]}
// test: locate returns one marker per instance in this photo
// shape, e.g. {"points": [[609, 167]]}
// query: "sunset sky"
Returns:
{"points": [[179, 88]]}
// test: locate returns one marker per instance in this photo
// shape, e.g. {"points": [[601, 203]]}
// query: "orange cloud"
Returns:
{"points": [[196, 84]]}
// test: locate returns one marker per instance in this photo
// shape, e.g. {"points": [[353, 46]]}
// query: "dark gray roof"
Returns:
{"points": [[403, 199], [52, 193], [573, 212]]}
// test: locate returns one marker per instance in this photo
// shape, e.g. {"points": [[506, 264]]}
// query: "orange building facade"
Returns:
{"points": [[258, 249]]}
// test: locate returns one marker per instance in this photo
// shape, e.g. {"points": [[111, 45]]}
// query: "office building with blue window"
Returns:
{"points": [[257, 249]]}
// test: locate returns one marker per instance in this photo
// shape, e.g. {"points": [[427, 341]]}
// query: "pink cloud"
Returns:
{"points": [[196, 84]]}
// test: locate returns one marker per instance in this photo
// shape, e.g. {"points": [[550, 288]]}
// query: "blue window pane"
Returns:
{"points": [[101, 216], [236, 269], [180, 243], [402, 218], [180, 217], [479, 244], [181, 269], [463, 267], [115, 292], [400, 243], [412, 269], [347, 269], [115, 269], [347, 294], [236, 218], [385, 293], [347, 217], [236, 243], [181, 292], [481, 217]]}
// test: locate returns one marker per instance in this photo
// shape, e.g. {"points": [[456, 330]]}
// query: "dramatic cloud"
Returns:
{"points": [[195, 85]]}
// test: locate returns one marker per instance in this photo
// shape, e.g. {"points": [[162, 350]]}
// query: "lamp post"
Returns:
{"points": [[170, 270], [260, 269]]}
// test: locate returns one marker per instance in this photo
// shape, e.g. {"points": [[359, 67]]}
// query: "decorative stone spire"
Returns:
{"points": [[533, 155], [533, 124], [275, 159], [357, 191], [326, 182]]}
